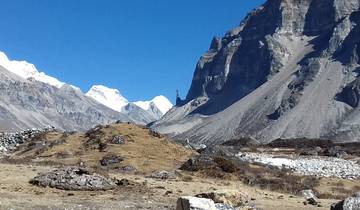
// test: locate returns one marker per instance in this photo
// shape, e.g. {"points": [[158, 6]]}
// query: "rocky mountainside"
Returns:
{"points": [[32, 99], [291, 69], [28, 103]]}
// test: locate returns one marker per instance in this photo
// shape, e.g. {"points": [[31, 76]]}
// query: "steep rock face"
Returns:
{"points": [[289, 70], [27, 103]]}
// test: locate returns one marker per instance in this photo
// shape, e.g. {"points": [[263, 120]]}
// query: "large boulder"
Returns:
{"points": [[194, 203], [74, 178], [350, 203]]}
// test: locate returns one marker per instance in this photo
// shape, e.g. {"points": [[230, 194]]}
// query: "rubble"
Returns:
{"points": [[9, 141], [73, 178], [310, 166]]}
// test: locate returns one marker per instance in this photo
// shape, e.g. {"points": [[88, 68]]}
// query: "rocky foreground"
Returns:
{"points": [[119, 166]]}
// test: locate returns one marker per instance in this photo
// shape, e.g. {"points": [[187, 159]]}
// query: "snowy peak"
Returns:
{"points": [[112, 98], [27, 70], [160, 102], [108, 97]]}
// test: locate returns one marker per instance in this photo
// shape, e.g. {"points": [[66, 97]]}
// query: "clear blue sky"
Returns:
{"points": [[141, 47]]}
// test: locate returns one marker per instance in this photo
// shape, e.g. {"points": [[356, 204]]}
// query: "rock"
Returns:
{"points": [[9, 141], [163, 175], [194, 203], [309, 152], [336, 151], [73, 178], [110, 159], [229, 197], [118, 140], [155, 133], [128, 168], [310, 197], [350, 203]]}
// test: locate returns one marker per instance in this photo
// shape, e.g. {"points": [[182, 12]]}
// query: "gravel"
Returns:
{"points": [[310, 166]]}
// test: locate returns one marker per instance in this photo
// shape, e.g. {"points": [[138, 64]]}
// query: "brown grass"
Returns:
{"points": [[142, 149]]}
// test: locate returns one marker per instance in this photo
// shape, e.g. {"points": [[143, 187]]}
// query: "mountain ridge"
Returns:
{"points": [[280, 74]]}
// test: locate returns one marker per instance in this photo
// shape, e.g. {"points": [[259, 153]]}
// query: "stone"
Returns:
{"points": [[74, 178], [229, 197], [163, 175], [350, 203], [118, 140], [111, 159], [309, 152], [194, 203], [335, 151], [310, 197]]}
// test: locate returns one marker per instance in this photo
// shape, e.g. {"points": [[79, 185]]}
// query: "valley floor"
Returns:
{"points": [[147, 193]]}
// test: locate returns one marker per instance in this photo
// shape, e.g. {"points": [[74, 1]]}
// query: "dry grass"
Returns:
{"points": [[266, 178], [142, 149]]}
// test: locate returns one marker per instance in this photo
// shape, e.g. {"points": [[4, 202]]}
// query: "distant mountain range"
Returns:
{"points": [[291, 69], [29, 98]]}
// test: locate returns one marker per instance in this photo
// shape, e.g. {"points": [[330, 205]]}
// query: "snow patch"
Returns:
{"points": [[161, 102]]}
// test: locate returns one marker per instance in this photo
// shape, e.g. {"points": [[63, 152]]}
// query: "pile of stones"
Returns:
{"points": [[311, 166], [74, 178], [9, 141]]}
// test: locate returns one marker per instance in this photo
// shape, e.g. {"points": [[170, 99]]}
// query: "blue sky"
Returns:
{"points": [[141, 47]]}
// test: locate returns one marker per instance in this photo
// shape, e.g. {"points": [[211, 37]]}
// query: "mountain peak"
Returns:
{"points": [[161, 102], [108, 97], [27, 70]]}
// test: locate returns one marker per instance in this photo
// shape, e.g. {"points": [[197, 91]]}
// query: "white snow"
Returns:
{"points": [[108, 97], [27, 70], [114, 100], [161, 102]]}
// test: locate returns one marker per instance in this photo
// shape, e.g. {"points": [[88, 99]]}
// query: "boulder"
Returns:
{"points": [[110, 159], [194, 203], [336, 151], [118, 140], [73, 178], [310, 197], [163, 175], [309, 152], [228, 197], [350, 203]]}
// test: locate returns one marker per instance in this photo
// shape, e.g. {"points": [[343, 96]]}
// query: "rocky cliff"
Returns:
{"points": [[289, 70]]}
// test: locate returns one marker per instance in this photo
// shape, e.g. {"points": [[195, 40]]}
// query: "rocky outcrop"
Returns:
{"points": [[73, 178], [289, 70], [9, 141], [350, 203], [194, 203]]}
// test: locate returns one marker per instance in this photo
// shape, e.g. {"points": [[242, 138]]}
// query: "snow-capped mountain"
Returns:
{"points": [[113, 99], [108, 97], [27, 70], [30, 98], [160, 102]]}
